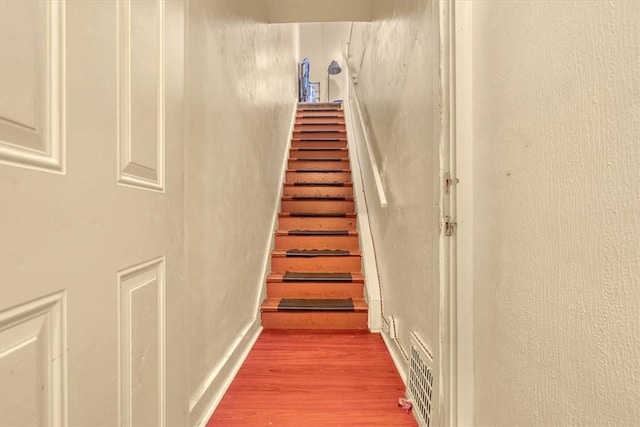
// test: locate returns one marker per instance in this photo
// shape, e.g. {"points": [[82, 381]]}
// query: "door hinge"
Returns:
{"points": [[448, 182], [449, 226]]}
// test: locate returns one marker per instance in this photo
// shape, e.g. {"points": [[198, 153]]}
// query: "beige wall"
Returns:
{"points": [[242, 90], [556, 140], [322, 43], [396, 92]]}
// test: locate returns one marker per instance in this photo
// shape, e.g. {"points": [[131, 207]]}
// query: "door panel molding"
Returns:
{"points": [[33, 362], [32, 101], [141, 109], [141, 344]]}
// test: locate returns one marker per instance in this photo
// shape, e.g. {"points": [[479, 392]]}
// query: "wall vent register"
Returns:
{"points": [[420, 383]]}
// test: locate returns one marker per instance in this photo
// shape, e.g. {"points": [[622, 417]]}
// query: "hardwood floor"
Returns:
{"points": [[313, 378]]}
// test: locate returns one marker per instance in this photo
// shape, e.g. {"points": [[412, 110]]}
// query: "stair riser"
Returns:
{"points": [[323, 134], [318, 177], [315, 290], [302, 223], [349, 243], [302, 320], [320, 113], [316, 127], [288, 206], [307, 154], [316, 264], [319, 191], [320, 121], [334, 164], [318, 144]]}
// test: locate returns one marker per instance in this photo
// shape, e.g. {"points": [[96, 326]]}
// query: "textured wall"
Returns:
{"points": [[395, 87], [556, 105], [242, 78]]}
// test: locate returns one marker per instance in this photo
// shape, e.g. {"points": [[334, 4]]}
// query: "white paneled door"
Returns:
{"points": [[91, 214]]}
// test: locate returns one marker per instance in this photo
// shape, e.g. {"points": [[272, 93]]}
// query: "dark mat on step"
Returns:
{"points": [[320, 214], [322, 159], [318, 184], [316, 252], [318, 232], [322, 198], [317, 149], [316, 305], [290, 276], [318, 170]]}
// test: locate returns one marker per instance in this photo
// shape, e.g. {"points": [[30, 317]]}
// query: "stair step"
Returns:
{"points": [[323, 177], [312, 304], [287, 222], [298, 192], [318, 197], [299, 304], [280, 289], [316, 233], [320, 120], [311, 153], [281, 263], [304, 115], [320, 214], [318, 163], [311, 277], [317, 239], [317, 143], [316, 134], [304, 315], [317, 206], [304, 127], [309, 253], [319, 184]]}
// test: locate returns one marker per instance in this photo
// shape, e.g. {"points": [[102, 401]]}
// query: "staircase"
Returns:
{"points": [[316, 279]]}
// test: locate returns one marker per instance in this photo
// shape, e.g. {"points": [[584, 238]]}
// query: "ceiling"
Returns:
{"points": [[292, 11]]}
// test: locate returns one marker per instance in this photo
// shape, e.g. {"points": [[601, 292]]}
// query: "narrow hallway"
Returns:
{"points": [[315, 378]]}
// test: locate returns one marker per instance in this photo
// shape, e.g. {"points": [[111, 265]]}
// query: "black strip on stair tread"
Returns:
{"points": [[320, 214], [310, 253], [318, 232], [318, 184], [319, 149], [320, 170], [290, 276], [321, 159], [315, 305], [321, 198], [310, 139]]}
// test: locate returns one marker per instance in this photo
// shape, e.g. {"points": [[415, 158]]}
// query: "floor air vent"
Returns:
{"points": [[420, 389]]}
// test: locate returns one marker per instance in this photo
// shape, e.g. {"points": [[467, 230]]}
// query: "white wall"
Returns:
{"points": [[556, 104], [242, 91], [322, 43], [396, 91]]}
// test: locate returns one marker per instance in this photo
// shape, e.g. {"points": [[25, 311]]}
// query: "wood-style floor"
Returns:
{"points": [[315, 378]]}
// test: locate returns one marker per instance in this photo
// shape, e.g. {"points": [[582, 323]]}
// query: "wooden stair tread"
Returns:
{"points": [[296, 277], [318, 170], [319, 198], [320, 159], [312, 304], [320, 139], [316, 233], [319, 184], [318, 149], [320, 214], [293, 276], [314, 253]]}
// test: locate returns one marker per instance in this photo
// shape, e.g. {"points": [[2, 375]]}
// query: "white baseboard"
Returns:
{"points": [[396, 355], [208, 396]]}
